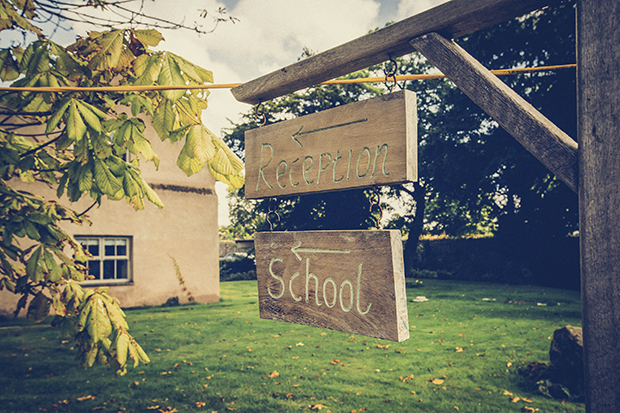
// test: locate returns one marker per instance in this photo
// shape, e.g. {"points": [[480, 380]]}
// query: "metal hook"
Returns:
{"points": [[259, 113], [390, 75], [375, 204], [272, 211]]}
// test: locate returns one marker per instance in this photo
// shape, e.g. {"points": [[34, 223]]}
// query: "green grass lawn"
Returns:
{"points": [[467, 344]]}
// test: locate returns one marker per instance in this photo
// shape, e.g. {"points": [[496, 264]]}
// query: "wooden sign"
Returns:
{"points": [[362, 144], [351, 281]]}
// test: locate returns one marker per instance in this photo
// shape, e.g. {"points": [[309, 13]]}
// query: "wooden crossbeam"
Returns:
{"points": [[452, 19], [541, 137]]}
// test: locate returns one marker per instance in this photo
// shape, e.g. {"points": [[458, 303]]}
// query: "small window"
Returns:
{"points": [[110, 262]]}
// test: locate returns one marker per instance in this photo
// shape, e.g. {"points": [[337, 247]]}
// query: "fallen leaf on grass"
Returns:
{"points": [[201, 404], [273, 375], [316, 406], [152, 407], [335, 361], [383, 346], [436, 381], [89, 397], [529, 409]]}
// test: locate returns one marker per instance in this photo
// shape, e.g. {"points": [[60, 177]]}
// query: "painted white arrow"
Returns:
{"points": [[296, 249]]}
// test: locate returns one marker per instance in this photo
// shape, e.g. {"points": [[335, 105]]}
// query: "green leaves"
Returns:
{"points": [[101, 330], [198, 149], [39, 308], [149, 37], [81, 152], [109, 49], [9, 69], [170, 74], [106, 181], [202, 147]]}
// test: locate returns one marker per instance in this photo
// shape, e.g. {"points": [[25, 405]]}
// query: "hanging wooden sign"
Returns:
{"points": [[362, 144], [351, 281]]}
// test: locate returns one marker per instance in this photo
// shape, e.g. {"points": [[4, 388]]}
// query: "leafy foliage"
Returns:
{"points": [[77, 143]]}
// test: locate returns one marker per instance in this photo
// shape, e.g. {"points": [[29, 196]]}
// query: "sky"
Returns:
{"points": [[266, 35]]}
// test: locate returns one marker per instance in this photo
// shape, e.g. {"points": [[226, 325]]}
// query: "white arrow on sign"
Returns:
{"points": [[296, 249]]}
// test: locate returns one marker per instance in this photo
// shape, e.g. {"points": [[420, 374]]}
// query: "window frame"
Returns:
{"points": [[128, 257]]}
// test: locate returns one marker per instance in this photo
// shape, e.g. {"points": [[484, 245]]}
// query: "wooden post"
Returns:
{"points": [[598, 80]]}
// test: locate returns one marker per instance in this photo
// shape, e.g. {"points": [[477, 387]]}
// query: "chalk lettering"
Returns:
{"points": [[273, 260], [346, 282], [278, 174], [304, 170], [358, 162], [262, 168], [349, 167], [333, 303], [335, 163], [308, 277], [321, 169], [290, 287], [379, 149], [359, 292], [337, 295], [290, 173]]}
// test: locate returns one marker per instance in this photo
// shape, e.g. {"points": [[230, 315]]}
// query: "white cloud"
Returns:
{"points": [[408, 8]]}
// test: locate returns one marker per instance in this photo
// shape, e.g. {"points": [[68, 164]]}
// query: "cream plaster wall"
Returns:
{"points": [[186, 229]]}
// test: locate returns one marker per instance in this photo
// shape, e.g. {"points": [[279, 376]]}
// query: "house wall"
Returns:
{"points": [[185, 230]]}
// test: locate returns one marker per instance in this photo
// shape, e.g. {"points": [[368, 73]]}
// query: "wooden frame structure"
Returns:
{"points": [[590, 167]]}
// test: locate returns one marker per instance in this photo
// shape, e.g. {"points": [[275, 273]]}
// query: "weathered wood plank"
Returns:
{"points": [[350, 281], [598, 89], [453, 19], [541, 137], [362, 144]]}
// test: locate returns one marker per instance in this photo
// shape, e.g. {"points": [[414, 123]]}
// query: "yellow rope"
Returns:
{"points": [[500, 72]]}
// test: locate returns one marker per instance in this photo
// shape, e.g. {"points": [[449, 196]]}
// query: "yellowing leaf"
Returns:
{"points": [[106, 181], [89, 397], [76, 128], [148, 37], [170, 74], [110, 47], [89, 116], [437, 381], [147, 69], [198, 149], [273, 375]]}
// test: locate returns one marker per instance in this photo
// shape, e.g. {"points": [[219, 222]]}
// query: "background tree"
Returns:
{"points": [[477, 178], [76, 142], [474, 177]]}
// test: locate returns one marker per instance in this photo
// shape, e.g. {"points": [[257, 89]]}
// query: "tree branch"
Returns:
{"points": [[38, 148]]}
